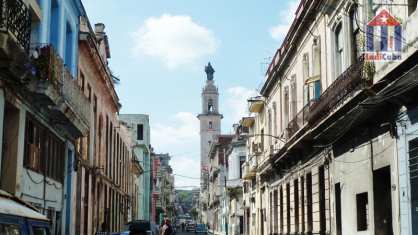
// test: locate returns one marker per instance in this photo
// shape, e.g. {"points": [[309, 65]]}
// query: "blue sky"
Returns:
{"points": [[159, 50]]}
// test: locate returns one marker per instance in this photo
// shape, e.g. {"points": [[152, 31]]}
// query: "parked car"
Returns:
{"points": [[142, 226], [191, 227], [18, 217], [201, 228]]}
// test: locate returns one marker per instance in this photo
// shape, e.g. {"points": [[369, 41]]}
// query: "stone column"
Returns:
{"points": [[2, 109], [20, 150]]}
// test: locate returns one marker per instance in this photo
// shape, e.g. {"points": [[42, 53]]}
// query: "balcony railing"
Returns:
{"points": [[298, 121], [253, 164], [338, 92], [15, 19], [55, 81], [246, 173]]}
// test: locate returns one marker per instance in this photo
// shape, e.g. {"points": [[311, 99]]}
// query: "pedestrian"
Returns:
{"points": [[167, 229]]}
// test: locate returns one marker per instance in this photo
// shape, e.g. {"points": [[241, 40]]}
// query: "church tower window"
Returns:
{"points": [[210, 105]]}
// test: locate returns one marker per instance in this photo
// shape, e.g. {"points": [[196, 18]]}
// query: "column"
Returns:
{"points": [[20, 150], [2, 109]]}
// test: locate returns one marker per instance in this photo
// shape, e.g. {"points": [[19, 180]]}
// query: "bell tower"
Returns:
{"points": [[210, 122]]}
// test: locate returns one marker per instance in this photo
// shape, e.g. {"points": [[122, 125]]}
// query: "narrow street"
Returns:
{"points": [[232, 117]]}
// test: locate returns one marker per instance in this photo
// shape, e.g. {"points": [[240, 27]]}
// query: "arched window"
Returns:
{"points": [[210, 105], [339, 50], [210, 125], [275, 118], [270, 126], [355, 35]]}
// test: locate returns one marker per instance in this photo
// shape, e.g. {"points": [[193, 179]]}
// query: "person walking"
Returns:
{"points": [[167, 229]]}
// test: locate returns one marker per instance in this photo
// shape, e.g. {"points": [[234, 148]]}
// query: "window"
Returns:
{"points": [[241, 224], [355, 35], [288, 208], [10, 229], [308, 85], [302, 201], [275, 118], [296, 202], [44, 152], [54, 24], [69, 48], [322, 200], [316, 69], [270, 127], [140, 132], [281, 210], [294, 96], [89, 92], [275, 212], [40, 231], [241, 162], [210, 125], [286, 106], [82, 81], [339, 50], [309, 201], [362, 211], [338, 208], [412, 6], [210, 105]]}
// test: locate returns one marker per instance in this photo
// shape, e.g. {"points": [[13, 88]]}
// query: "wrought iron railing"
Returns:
{"points": [[298, 121], [75, 97], [348, 82], [15, 18], [50, 67]]}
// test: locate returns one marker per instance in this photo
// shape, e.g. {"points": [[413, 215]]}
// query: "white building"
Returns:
{"points": [[210, 126], [323, 147]]}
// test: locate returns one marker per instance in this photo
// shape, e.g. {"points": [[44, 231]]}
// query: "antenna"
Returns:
{"points": [[264, 64]]}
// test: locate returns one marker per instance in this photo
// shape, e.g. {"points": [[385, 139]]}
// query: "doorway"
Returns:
{"points": [[413, 174], [382, 196]]}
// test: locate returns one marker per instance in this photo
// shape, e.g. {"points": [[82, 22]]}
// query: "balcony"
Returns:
{"points": [[300, 120], [247, 121], [234, 183], [344, 86], [15, 26], [55, 87], [257, 148], [246, 173], [253, 164], [256, 104]]}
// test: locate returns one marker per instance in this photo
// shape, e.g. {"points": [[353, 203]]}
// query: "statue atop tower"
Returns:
{"points": [[209, 71]]}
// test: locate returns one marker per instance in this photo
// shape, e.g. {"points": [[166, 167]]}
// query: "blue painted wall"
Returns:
{"points": [[60, 26]]}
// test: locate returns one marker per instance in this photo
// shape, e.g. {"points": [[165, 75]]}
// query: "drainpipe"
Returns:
{"points": [[371, 173]]}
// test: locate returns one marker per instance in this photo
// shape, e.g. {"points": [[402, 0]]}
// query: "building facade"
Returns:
{"points": [[163, 191], [331, 136], [41, 114], [236, 156], [139, 127], [217, 192], [105, 155]]}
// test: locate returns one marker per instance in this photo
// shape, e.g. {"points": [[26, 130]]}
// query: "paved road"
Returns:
{"points": [[184, 233]]}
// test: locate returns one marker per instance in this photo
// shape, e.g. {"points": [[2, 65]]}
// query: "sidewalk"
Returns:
{"points": [[211, 232]]}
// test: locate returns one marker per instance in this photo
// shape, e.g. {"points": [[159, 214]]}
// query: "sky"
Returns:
{"points": [[159, 49]]}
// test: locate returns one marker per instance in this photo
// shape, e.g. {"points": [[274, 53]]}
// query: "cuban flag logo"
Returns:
{"points": [[383, 37]]}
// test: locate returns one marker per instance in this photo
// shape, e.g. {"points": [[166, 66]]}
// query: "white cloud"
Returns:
{"points": [[236, 102], [176, 40], [286, 16], [179, 136]]}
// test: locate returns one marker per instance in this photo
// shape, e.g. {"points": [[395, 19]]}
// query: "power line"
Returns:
{"points": [[188, 177]]}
